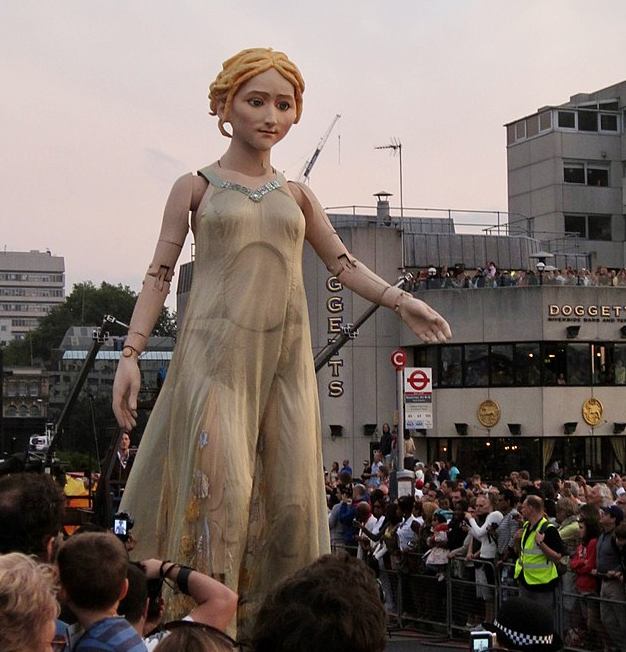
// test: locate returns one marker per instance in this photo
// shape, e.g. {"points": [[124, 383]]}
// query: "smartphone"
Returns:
{"points": [[482, 640], [122, 525]]}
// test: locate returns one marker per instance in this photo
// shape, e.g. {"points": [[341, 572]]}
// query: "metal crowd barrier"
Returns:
{"points": [[450, 605]]}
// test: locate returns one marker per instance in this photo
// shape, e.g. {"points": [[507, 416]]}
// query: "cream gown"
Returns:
{"points": [[229, 477]]}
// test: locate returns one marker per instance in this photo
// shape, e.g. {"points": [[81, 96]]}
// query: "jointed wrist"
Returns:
{"points": [[129, 351]]}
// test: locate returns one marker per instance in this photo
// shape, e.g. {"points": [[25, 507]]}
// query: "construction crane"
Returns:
{"points": [[308, 166]]}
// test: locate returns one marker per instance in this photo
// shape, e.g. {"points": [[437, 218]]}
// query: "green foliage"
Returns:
{"points": [[77, 461], [85, 306]]}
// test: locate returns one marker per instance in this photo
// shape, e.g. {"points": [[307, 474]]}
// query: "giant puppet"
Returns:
{"points": [[229, 477]]}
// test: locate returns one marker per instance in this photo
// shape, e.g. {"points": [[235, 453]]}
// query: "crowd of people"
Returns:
{"points": [[81, 593], [533, 537], [490, 276]]}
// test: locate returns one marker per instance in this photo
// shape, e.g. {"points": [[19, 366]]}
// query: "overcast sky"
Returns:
{"points": [[103, 104]]}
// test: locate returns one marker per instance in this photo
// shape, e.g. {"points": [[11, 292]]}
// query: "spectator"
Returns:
{"points": [[484, 529], [608, 569], [334, 474], [437, 556], [453, 471], [567, 521], [122, 465], [192, 637], [583, 564], [215, 603], [32, 507], [332, 605], [371, 479], [28, 605], [386, 444], [509, 525], [346, 468], [92, 571]]}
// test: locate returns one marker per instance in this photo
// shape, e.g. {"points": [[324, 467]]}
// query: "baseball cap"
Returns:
{"points": [[614, 511]]}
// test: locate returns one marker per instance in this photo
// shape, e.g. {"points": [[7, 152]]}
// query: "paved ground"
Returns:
{"points": [[413, 642]]}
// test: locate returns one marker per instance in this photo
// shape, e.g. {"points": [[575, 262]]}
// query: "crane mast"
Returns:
{"points": [[308, 166]]}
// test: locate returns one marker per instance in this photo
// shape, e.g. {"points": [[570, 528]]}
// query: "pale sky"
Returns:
{"points": [[103, 104]]}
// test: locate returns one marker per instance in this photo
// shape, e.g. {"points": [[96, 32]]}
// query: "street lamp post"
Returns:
{"points": [[432, 272], [540, 267]]}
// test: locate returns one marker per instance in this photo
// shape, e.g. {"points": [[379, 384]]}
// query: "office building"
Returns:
{"points": [[31, 284]]}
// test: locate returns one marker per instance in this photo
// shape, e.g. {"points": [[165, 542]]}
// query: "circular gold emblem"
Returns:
{"points": [[592, 411], [489, 413]]}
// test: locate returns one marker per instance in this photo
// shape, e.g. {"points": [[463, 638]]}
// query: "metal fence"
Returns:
{"points": [[450, 601]]}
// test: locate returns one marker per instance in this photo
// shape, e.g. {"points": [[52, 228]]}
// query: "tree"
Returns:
{"points": [[85, 306]]}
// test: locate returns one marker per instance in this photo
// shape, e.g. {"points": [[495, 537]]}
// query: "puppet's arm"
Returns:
{"points": [[182, 199], [425, 322]]}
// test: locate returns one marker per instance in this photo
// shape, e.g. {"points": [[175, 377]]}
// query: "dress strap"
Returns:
{"points": [[210, 176]]}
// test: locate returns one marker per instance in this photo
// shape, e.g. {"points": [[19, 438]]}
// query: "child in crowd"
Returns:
{"points": [[437, 559], [92, 572]]}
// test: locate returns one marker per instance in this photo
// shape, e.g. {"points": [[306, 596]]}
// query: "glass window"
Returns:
{"points": [[597, 176], [608, 122], [476, 365], [599, 227], [567, 119], [578, 367], [520, 130], [451, 366], [554, 364], [527, 364], [545, 120], [574, 173], [510, 134], [587, 120], [33, 411], [609, 105], [619, 364], [532, 126], [602, 368], [22, 411], [501, 364], [576, 224]]}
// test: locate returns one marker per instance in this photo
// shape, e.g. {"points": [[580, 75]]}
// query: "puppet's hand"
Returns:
{"points": [[125, 391], [425, 322]]}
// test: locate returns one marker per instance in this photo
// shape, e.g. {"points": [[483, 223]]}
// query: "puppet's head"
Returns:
{"points": [[243, 66]]}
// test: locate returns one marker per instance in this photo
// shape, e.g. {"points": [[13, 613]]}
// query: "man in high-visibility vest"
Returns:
{"points": [[540, 548]]}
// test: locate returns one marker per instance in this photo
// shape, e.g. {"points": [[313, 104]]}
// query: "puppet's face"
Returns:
{"points": [[263, 110]]}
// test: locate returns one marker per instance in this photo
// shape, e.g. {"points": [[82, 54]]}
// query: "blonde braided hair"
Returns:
{"points": [[243, 66]]}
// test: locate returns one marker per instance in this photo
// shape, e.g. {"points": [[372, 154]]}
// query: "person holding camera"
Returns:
{"points": [[144, 606]]}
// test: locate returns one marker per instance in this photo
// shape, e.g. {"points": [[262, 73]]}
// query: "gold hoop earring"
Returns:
{"points": [[220, 126]]}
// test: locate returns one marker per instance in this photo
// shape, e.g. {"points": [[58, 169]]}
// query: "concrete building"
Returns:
{"points": [[566, 177], [533, 373], [31, 284]]}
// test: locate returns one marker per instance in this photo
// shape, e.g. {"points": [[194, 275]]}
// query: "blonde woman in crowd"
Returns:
{"points": [[28, 605]]}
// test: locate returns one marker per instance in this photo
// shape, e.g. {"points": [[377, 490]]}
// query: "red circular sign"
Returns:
{"points": [[398, 359], [418, 380]]}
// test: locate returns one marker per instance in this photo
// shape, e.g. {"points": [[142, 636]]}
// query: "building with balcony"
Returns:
{"points": [[31, 284]]}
